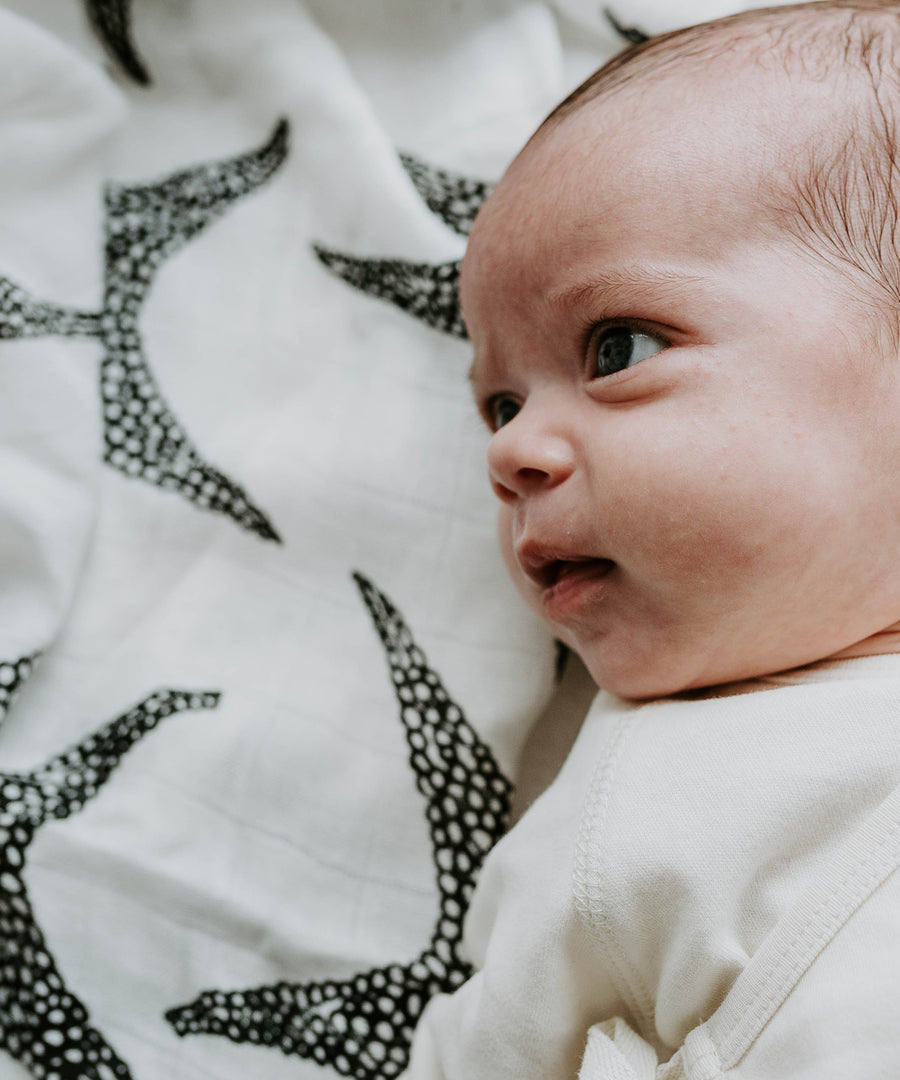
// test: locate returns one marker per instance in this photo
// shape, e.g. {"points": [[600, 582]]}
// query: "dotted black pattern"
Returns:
{"points": [[112, 21], [23, 317], [427, 292], [42, 1023], [12, 674], [456, 199], [145, 225], [362, 1026], [631, 34]]}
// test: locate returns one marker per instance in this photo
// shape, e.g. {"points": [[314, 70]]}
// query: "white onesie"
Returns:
{"points": [[706, 890]]}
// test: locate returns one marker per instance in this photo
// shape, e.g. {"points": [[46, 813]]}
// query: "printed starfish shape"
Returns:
{"points": [[42, 1023], [13, 674], [363, 1026], [631, 34], [112, 21], [145, 225], [427, 291]]}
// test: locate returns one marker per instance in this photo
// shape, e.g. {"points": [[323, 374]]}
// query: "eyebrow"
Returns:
{"points": [[629, 285]]}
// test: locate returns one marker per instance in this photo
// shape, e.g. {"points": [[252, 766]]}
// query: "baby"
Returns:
{"points": [[684, 301]]}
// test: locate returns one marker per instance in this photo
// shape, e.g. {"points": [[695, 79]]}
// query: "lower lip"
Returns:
{"points": [[577, 587]]}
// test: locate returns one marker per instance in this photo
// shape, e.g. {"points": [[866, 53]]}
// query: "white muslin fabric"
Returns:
{"points": [[58, 115], [245, 520]]}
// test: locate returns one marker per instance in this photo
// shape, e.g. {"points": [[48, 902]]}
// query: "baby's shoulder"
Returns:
{"points": [[707, 816]]}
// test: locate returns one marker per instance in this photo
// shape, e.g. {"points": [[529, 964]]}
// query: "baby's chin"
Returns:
{"points": [[654, 679], [625, 679], [634, 675], [646, 659], [643, 686], [647, 687]]}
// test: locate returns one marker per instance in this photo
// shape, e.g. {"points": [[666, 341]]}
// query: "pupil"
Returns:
{"points": [[616, 348], [505, 412]]}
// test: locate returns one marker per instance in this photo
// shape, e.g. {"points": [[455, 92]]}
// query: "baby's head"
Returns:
{"points": [[684, 299]]}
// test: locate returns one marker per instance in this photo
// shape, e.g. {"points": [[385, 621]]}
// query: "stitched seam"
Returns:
{"points": [[707, 1063], [805, 947], [589, 889]]}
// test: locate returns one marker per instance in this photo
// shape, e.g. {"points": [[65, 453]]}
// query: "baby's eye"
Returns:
{"points": [[620, 346], [500, 410]]}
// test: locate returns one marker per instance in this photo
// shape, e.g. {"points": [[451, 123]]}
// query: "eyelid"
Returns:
{"points": [[666, 335]]}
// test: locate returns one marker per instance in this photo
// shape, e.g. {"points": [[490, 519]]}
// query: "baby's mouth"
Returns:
{"points": [[564, 569], [549, 573], [570, 584]]}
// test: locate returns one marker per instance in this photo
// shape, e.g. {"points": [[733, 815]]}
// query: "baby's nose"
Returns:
{"points": [[528, 455]]}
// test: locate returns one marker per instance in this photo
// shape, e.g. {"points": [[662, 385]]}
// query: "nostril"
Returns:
{"points": [[523, 481], [531, 477]]}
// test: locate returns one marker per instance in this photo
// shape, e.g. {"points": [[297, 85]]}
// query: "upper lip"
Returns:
{"points": [[544, 564]]}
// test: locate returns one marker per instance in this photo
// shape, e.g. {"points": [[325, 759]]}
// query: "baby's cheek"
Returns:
{"points": [[718, 530]]}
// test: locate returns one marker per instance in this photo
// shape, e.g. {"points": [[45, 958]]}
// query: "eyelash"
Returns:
{"points": [[592, 337]]}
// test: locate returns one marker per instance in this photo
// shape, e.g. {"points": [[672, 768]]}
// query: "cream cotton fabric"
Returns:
{"points": [[707, 889]]}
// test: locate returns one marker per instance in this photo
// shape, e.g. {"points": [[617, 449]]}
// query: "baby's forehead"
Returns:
{"points": [[726, 132], [653, 146]]}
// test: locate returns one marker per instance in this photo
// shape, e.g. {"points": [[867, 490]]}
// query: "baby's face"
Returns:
{"points": [[697, 442]]}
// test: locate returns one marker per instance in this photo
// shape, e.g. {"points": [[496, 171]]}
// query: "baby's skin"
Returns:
{"points": [[696, 421]]}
